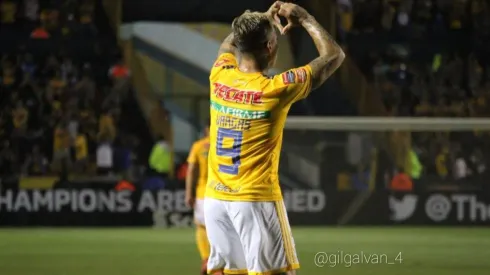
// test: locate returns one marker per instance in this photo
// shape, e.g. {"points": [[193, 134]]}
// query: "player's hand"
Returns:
{"points": [[273, 15], [190, 201], [294, 14]]}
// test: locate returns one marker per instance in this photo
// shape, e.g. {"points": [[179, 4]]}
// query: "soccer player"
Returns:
{"points": [[246, 220], [195, 186]]}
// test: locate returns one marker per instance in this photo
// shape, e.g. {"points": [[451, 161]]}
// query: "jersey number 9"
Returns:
{"points": [[233, 152]]}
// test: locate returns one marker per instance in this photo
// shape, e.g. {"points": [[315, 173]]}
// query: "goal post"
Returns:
{"points": [[364, 152], [387, 123]]}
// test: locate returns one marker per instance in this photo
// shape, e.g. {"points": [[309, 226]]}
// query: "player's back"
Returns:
{"points": [[248, 113]]}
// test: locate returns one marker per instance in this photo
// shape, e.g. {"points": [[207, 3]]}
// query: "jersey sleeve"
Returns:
{"points": [[193, 155], [224, 61], [296, 83]]}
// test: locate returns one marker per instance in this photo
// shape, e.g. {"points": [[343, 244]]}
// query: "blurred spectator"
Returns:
{"points": [[51, 64], [401, 182], [182, 171], [345, 12], [61, 148], [50, 18], [154, 183], [8, 9], [477, 162], [35, 163], [105, 156], [20, 116], [9, 74], [73, 126], [119, 71], [124, 156], [416, 167], [57, 82], [68, 71], [81, 152], [31, 11], [7, 159], [344, 181], [442, 161], [40, 33], [457, 15], [360, 179], [160, 158], [86, 11], [85, 90], [28, 66], [107, 127], [460, 168], [388, 15]]}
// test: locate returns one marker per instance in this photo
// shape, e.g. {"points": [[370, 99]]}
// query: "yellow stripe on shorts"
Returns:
{"points": [[286, 233]]}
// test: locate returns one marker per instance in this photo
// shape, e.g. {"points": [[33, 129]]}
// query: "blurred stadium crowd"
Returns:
{"points": [[67, 106], [427, 58], [61, 105]]}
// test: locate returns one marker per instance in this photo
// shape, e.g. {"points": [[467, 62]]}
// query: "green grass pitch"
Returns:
{"points": [[419, 251]]}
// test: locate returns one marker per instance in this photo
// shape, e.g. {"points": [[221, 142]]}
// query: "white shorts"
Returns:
{"points": [[199, 212], [249, 237]]}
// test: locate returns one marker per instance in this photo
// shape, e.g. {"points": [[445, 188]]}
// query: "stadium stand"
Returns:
{"points": [[426, 59], [66, 100]]}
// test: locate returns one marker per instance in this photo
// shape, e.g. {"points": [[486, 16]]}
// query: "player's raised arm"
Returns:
{"points": [[227, 46], [226, 57], [331, 54]]}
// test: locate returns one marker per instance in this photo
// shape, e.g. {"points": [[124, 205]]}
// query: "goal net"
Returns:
{"points": [[368, 153]]}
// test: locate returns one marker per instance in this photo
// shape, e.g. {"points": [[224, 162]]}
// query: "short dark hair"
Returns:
{"points": [[251, 32]]}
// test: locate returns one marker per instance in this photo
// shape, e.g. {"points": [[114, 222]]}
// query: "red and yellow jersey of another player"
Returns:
{"points": [[199, 156], [248, 113]]}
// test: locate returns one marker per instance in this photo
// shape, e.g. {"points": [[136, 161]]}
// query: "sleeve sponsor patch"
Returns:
{"points": [[301, 75], [289, 77], [294, 76]]}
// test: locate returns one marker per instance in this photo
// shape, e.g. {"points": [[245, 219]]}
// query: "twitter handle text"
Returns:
{"points": [[348, 259]]}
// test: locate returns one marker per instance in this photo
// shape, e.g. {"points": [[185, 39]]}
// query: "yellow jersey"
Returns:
{"points": [[248, 113], [20, 117], [81, 147], [61, 139], [199, 156]]}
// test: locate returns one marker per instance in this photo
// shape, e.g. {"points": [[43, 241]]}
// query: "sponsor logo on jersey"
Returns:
{"points": [[289, 77], [221, 62], [223, 188], [240, 113], [237, 96]]}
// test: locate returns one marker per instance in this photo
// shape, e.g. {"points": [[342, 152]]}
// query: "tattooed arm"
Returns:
{"points": [[331, 55], [226, 57], [228, 46]]}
